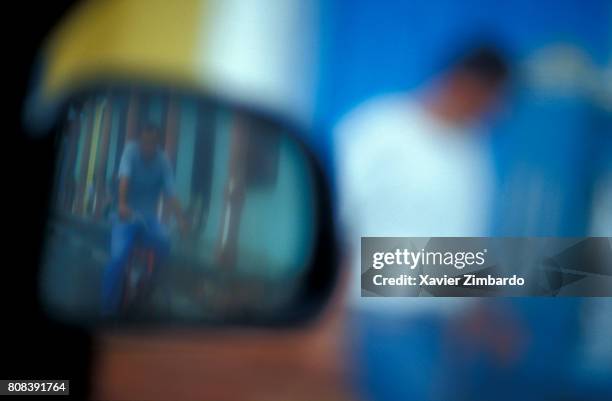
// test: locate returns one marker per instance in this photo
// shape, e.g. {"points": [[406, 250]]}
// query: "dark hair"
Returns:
{"points": [[486, 62], [152, 128]]}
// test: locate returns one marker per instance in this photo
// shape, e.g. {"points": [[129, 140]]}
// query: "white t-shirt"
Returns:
{"points": [[405, 173]]}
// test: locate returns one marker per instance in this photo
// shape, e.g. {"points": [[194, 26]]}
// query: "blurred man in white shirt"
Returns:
{"points": [[414, 165]]}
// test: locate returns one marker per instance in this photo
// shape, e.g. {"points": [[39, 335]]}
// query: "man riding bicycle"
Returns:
{"points": [[145, 174]]}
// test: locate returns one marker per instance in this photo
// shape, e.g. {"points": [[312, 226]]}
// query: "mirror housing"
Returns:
{"points": [[171, 208]]}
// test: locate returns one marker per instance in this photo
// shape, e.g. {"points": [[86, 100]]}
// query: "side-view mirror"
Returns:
{"points": [[173, 208]]}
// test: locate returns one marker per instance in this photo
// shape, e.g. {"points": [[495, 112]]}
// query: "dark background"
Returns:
{"points": [[32, 346]]}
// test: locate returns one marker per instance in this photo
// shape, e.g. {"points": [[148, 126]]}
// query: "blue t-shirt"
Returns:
{"points": [[148, 179]]}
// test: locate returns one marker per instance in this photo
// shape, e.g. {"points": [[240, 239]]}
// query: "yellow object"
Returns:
{"points": [[146, 39], [254, 52]]}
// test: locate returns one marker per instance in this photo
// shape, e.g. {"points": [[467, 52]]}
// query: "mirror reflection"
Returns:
{"points": [[167, 206]]}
